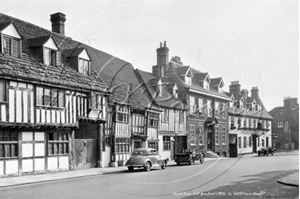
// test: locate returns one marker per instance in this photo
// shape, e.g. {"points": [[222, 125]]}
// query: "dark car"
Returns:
{"points": [[188, 157], [145, 158], [266, 151]]}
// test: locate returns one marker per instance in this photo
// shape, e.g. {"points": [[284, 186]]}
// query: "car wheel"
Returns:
{"points": [[178, 163], [147, 166], [164, 165], [190, 162], [272, 153], [130, 168]]}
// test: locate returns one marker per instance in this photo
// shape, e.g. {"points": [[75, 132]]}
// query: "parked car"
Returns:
{"points": [[146, 158], [188, 157], [266, 151]]}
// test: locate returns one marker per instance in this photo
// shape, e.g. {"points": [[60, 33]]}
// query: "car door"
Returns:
{"points": [[153, 156]]}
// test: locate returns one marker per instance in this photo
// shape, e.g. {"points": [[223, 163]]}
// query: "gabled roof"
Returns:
{"points": [[263, 114], [275, 111], [217, 81], [167, 100], [30, 69], [5, 25], [39, 41]]}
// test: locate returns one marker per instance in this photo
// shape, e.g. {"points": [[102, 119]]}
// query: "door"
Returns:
{"points": [[233, 145], [254, 149], [209, 138], [137, 144], [267, 141], [85, 153]]}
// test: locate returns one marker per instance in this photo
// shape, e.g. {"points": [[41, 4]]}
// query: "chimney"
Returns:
{"points": [[235, 89], [162, 55], [244, 93], [58, 23], [162, 60], [254, 92]]}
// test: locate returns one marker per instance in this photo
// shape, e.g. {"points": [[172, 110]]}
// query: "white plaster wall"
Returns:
{"points": [[27, 136], [106, 156], [39, 149], [27, 165], [64, 162], [12, 167], [1, 168], [39, 136], [52, 163], [39, 164], [27, 150]]}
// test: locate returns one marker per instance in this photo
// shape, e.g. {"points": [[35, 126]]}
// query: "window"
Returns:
{"points": [[11, 46], [153, 119], [209, 112], [217, 135], [200, 106], [58, 143], [165, 116], [84, 66], [223, 110], [181, 116], [280, 124], [201, 134], [239, 122], [217, 109], [262, 142], [206, 85], [193, 105], [232, 122], [223, 135], [254, 124], [97, 102], [122, 145], [245, 141], [192, 133], [122, 114], [166, 143], [250, 123], [50, 97], [250, 141], [153, 145], [245, 122], [188, 79], [49, 57], [239, 142], [2, 91], [175, 92], [8, 144], [137, 123]]}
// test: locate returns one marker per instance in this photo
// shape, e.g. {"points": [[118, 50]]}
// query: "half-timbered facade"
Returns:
{"points": [[48, 96], [249, 121], [172, 134]]}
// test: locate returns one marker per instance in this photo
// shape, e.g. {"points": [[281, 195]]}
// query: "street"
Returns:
{"points": [[174, 182]]}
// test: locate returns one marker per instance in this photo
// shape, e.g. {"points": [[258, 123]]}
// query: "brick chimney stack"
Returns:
{"points": [[235, 88], [162, 60], [58, 23], [254, 92]]}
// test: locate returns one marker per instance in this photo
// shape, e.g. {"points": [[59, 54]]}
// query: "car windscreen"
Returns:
{"points": [[138, 152]]}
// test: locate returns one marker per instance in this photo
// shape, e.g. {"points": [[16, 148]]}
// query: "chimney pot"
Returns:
{"points": [[165, 44]]}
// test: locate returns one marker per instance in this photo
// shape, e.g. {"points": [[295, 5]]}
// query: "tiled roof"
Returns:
{"points": [[275, 110], [37, 42], [263, 114], [167, 99], [215, 81], [30, 68]]}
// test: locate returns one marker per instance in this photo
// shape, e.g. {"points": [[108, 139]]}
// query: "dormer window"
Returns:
{"points": [[79, 59], [10, 40], [188, 79], [175, 91], [84, 66], [206, 85], [47, 47]]}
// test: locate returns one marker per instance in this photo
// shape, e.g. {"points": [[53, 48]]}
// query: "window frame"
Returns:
{"points": [[217, 135], [122, 114], [51, 56], [8, 144], [40, 100], [153, 119], [166, 143], [58, 139], [11, 46], [223, 135], [192, 133], [83, 70]]}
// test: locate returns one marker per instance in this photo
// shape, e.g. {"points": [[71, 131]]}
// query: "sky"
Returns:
{"points": [[255, 42]]}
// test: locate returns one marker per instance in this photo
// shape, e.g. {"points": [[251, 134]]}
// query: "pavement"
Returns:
{"points": [[292, 179]]}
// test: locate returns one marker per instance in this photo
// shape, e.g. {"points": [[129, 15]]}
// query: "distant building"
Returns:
{"points": [[286, 124], [249, 121]]}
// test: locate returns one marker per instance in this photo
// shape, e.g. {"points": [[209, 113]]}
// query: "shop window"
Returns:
{"points": [[58, 143], [166, 143], [153, 145], [245, 142], [122, 145], [192, 133], [8, 144], [239, 142], [153, 120]]}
